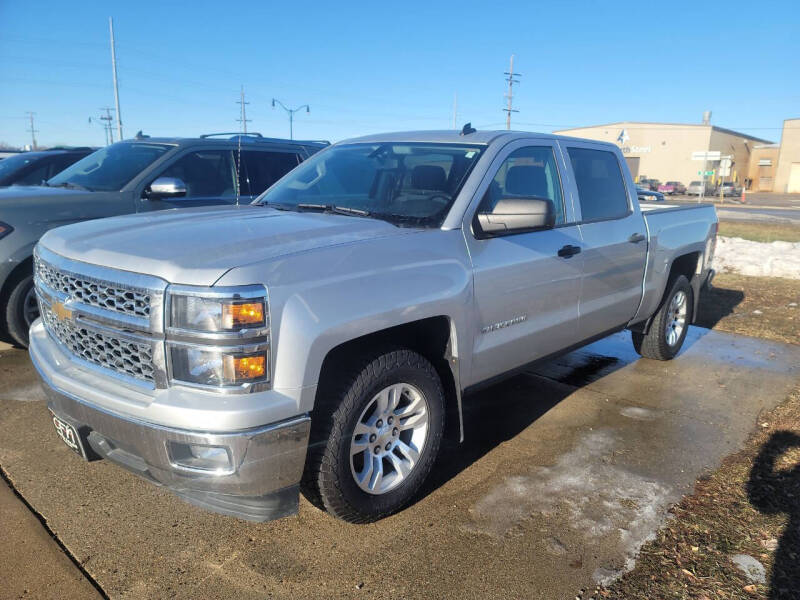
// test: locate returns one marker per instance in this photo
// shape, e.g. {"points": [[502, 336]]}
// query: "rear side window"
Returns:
{"points": [[260, 170], [601, 190]]}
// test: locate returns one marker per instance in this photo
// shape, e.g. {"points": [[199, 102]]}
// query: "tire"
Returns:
{"points": [[669, 325], [396, 377], [19, 311]]}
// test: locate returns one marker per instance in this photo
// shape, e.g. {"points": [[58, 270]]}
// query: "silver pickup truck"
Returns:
{"points": [[316, 339]]}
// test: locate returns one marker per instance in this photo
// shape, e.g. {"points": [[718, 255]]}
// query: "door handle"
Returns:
{"points": [[568, 251], [636, 238]]}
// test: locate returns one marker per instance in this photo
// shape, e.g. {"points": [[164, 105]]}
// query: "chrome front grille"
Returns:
{"points": [[104, 317], [123, 356], [102, 294]]}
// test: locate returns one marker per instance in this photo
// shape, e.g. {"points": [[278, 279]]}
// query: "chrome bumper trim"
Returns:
{"points": [[265, 461]]}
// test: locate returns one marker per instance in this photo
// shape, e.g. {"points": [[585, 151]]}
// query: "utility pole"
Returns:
{"points": [[243, 118], [33, 130], [455, 111], [511, 81], [114, 71], [291, 112], [108, 124]]}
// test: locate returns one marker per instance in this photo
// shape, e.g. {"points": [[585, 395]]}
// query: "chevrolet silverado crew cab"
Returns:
{"points": [[316, 339], [138, 175]]}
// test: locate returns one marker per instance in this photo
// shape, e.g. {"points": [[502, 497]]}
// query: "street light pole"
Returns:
{"points": [[290, 112]]}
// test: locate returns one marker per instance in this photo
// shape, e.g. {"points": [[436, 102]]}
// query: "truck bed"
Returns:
{"points": [[673, 230]]}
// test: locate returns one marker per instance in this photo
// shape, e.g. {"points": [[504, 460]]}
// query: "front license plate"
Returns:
{"points": [[69, 435]]}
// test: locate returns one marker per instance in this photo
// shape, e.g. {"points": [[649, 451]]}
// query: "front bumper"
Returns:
{"points": [[259, 483]]}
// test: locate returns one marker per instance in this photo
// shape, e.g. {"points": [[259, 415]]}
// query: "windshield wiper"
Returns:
{"points": [[72, 186], [332, 208]]}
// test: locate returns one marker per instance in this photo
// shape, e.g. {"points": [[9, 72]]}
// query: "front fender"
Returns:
{"points": [[324, 298]]}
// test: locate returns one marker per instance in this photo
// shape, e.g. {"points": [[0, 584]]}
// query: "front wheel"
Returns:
{"points": [[375, 439], [22, 309], [669, 326]]}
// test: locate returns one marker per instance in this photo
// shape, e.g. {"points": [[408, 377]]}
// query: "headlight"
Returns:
{"points": [[217, 367], [195, 313], [219, 337]]}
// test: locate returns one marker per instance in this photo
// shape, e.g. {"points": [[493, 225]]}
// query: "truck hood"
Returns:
{"points": [[196, 246]]}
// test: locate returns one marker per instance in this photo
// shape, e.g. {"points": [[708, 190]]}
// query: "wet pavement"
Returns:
{"points": [[565, 471]]}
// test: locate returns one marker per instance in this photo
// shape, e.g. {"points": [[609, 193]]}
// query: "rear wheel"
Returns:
{"points": [[669, 326], [374, 439], [22, 309]]}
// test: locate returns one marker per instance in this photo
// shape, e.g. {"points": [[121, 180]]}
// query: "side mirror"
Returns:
{"points": [[166, 187], [511, 215]]}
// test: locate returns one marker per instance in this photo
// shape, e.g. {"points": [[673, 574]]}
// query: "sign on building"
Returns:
{"points": [[707, 155]]}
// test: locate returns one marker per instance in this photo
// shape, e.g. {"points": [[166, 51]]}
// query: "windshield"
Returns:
{"points": [[110, 168], [12, 164], [404, 183]]}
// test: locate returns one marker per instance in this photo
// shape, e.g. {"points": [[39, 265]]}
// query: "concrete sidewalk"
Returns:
{"points": [[32, 565]]}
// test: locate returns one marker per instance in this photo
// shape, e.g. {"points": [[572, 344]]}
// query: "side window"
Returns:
{"points": [[36, 175], [61, 162], [206, 173], [528, 171], [260, 170], [601, 189]]}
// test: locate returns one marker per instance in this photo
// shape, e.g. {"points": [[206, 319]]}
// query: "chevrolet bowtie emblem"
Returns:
{"points": [[61, 311]]}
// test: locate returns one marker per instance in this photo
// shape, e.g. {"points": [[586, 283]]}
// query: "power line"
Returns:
{"points": [[114, 71], [510, 95], [108, 125], [243, 118], [33, 130]]}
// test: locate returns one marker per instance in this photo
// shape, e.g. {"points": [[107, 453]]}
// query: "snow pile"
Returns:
{"points": [[776, 259]]}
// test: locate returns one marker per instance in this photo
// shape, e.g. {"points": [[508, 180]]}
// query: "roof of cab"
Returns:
{"points": [[450, 136]]}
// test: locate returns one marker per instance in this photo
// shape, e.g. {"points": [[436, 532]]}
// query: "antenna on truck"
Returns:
{"points": [[467, 129]]}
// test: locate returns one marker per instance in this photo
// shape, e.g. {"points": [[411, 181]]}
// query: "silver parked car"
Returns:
{"points": [[316, 339], [697, 188]]}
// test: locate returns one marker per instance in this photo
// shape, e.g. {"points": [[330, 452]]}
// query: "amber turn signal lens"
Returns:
{"points": [[245, 368], [237, 315]]}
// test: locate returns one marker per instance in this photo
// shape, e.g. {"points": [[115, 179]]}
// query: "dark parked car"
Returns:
{"points": [[32, 168], [730, 188], [647, 195], [133, 176]]}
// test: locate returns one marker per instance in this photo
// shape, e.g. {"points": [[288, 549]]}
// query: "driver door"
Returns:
{"points": [[526, 284], [208, 176]]}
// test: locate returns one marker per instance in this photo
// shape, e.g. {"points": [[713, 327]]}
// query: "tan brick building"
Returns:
{"points": [[664, 150], [787, 172]]}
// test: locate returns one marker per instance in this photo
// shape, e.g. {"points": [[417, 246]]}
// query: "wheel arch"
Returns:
{"points": [[684, 264], [435, 338]]}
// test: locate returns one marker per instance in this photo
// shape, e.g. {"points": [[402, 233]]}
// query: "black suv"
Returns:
{"points": [[138, 175], [32, 168]]}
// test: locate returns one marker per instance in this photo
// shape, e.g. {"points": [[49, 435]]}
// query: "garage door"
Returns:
{"points": [[794, 179]]}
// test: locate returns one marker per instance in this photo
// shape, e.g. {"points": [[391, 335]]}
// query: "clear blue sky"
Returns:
{"points": [[377, 66]]}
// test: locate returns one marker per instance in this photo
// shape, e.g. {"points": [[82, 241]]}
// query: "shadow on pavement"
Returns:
{"points": [[716, 304], [773, 491]]}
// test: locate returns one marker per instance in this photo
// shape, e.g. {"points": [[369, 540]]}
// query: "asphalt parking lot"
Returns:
{"points": [[565, 471]]}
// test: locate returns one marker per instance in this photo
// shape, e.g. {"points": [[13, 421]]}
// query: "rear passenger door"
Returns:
{"points": [[614, 238], [259, 169]]}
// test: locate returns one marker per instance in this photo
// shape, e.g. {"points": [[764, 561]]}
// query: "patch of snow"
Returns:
{"points": [[638, 413], [602, 501], [752, 569], [775, 259], [28, 393]]}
